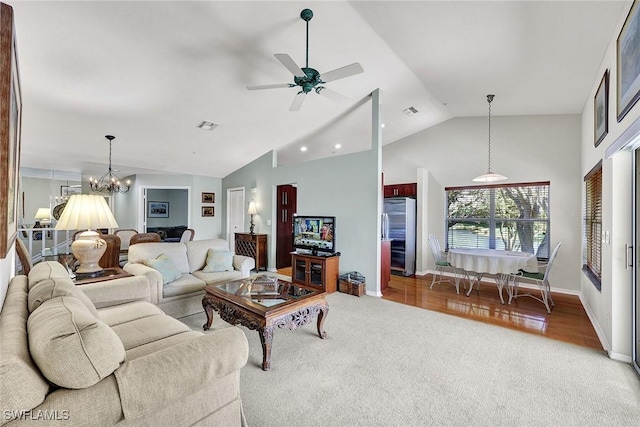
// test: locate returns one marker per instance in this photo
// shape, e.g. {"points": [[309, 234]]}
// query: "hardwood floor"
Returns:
{"points": [[568, 321]]}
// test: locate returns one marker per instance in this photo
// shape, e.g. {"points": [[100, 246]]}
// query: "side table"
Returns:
{"points": [[109, 274], [254, 246]]}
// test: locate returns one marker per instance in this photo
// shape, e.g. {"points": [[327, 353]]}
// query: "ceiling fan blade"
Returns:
{"points": [[334, 96], [275, 86], [290, 64], [297, 101], [340, 73]]}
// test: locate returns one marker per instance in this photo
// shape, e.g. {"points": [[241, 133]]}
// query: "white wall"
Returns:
{"points": [[524, 148], [610, 308]]}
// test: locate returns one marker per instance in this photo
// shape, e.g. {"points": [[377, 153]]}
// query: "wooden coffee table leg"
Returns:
{"points": [[323, 313], [208, 309], [266, 338]]}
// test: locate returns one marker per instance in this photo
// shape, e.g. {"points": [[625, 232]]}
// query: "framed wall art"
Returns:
{"points": [[10, 129], [208, 197], [70, 190], [628, 61], [208, 211], [601, 110], [158, 210]]}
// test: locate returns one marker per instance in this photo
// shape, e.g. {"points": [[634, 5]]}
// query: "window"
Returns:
{"points": [[592, 253], [512, 217]]}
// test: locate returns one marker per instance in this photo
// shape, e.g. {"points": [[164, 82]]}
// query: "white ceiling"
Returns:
{"points": [[149, 72]]}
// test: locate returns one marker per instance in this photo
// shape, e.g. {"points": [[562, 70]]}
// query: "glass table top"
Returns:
{"points": [[266, 291]]}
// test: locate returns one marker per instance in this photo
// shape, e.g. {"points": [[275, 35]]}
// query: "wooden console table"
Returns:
{"points": [[254, 246]]}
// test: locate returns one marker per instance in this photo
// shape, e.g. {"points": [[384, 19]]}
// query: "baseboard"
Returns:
{"points": [[599, 331], [620, 357], [374, 294]]}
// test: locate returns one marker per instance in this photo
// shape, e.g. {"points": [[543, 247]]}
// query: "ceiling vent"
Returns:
{"points": [[410, 111], [207, 125]]}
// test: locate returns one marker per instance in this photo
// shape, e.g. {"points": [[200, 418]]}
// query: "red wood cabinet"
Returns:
{"points": [[401, 190]]}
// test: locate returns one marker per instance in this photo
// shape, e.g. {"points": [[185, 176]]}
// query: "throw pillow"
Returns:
{"points": [[71, 347], [165, 267], [218, 261]]}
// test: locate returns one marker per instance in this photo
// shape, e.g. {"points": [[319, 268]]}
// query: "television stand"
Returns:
{"points": [[318, 271]]}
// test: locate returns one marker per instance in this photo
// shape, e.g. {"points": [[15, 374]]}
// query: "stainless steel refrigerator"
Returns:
{"points": [[401, 212]]}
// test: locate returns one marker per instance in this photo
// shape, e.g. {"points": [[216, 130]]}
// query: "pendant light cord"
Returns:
{"points": [[489, 99]]}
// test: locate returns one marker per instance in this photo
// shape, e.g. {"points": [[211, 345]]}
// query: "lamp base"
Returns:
{"points": [[88, 248]]}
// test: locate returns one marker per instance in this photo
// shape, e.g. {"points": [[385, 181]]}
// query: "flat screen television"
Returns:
{"points": [[314, 233]]}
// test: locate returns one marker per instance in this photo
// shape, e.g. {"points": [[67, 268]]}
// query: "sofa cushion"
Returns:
{"points": [[165, 266], [214, 278], [148, 329], [72, 348], [184, 285], [123, 313], [218, 261], [48, 289], [22, 386], [141, 252], [197, 251]]}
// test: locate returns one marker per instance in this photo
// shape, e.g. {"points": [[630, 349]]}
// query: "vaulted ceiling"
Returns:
{"points": [[150, 72]]}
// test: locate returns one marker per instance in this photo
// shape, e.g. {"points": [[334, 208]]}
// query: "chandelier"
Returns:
{"points": [[109, 182], [490, 176]]}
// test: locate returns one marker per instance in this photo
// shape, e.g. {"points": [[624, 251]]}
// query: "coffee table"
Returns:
{"points": [[264, 307]]}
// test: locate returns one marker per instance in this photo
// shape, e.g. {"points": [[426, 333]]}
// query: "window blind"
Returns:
{"points": [[508, 216], [592, 259]]}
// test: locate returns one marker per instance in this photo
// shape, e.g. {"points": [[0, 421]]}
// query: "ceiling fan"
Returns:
{"points": [[309, 79]]}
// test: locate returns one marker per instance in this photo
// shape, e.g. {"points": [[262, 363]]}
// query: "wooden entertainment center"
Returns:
{"points": [[316, 271]]}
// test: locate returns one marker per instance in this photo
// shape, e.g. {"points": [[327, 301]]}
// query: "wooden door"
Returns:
{"points": [[286, 207]]}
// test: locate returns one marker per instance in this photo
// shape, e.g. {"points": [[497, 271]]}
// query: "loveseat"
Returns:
{"points": [[181, 294], [102, 354]]}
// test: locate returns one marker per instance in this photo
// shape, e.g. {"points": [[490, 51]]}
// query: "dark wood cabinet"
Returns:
{"points": [[316, 271], [385, 264], [254, 246], [401, 190]]}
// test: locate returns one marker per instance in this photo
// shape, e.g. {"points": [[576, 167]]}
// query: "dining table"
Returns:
{"points": [[500, 263]]}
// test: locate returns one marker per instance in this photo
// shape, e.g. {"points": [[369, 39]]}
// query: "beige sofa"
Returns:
{"points": [[102, 354], [183, 296]]}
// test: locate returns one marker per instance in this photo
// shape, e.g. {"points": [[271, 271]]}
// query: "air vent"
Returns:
{"points": [[410, 111], [207, 125]]}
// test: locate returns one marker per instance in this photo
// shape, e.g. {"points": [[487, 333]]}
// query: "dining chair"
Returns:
{"points": [[24, 256], [111, 256], [125, 235], [440, 258], [144, 238], [187, 235], [539, 278]]}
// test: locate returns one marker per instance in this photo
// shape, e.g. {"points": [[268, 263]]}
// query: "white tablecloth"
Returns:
{"points": [[492, 261]]}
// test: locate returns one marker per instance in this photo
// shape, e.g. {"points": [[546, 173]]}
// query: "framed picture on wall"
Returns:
{"points": [[208, 197], [208, 211], [601, 110], [11, 107], [158, 210], [628, 58], [69, 190]]}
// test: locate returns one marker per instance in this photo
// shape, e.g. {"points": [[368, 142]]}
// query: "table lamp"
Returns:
{"points": [[43, 216], [87, 211], [252, 211]]}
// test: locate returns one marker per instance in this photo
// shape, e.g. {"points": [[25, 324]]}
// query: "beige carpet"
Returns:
{"points": [[388, 364]]}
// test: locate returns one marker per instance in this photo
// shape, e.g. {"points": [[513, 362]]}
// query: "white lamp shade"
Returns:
{"points": [[43, 214], [489, 177], [252, 208], [86, 212]]}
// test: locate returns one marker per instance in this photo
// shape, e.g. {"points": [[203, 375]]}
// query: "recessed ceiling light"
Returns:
{"points": [[338, 145], [207, 125], [303, 148]]}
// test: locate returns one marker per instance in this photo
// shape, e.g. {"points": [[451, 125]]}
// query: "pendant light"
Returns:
{"points": [[109, 182], [489, 176]]}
